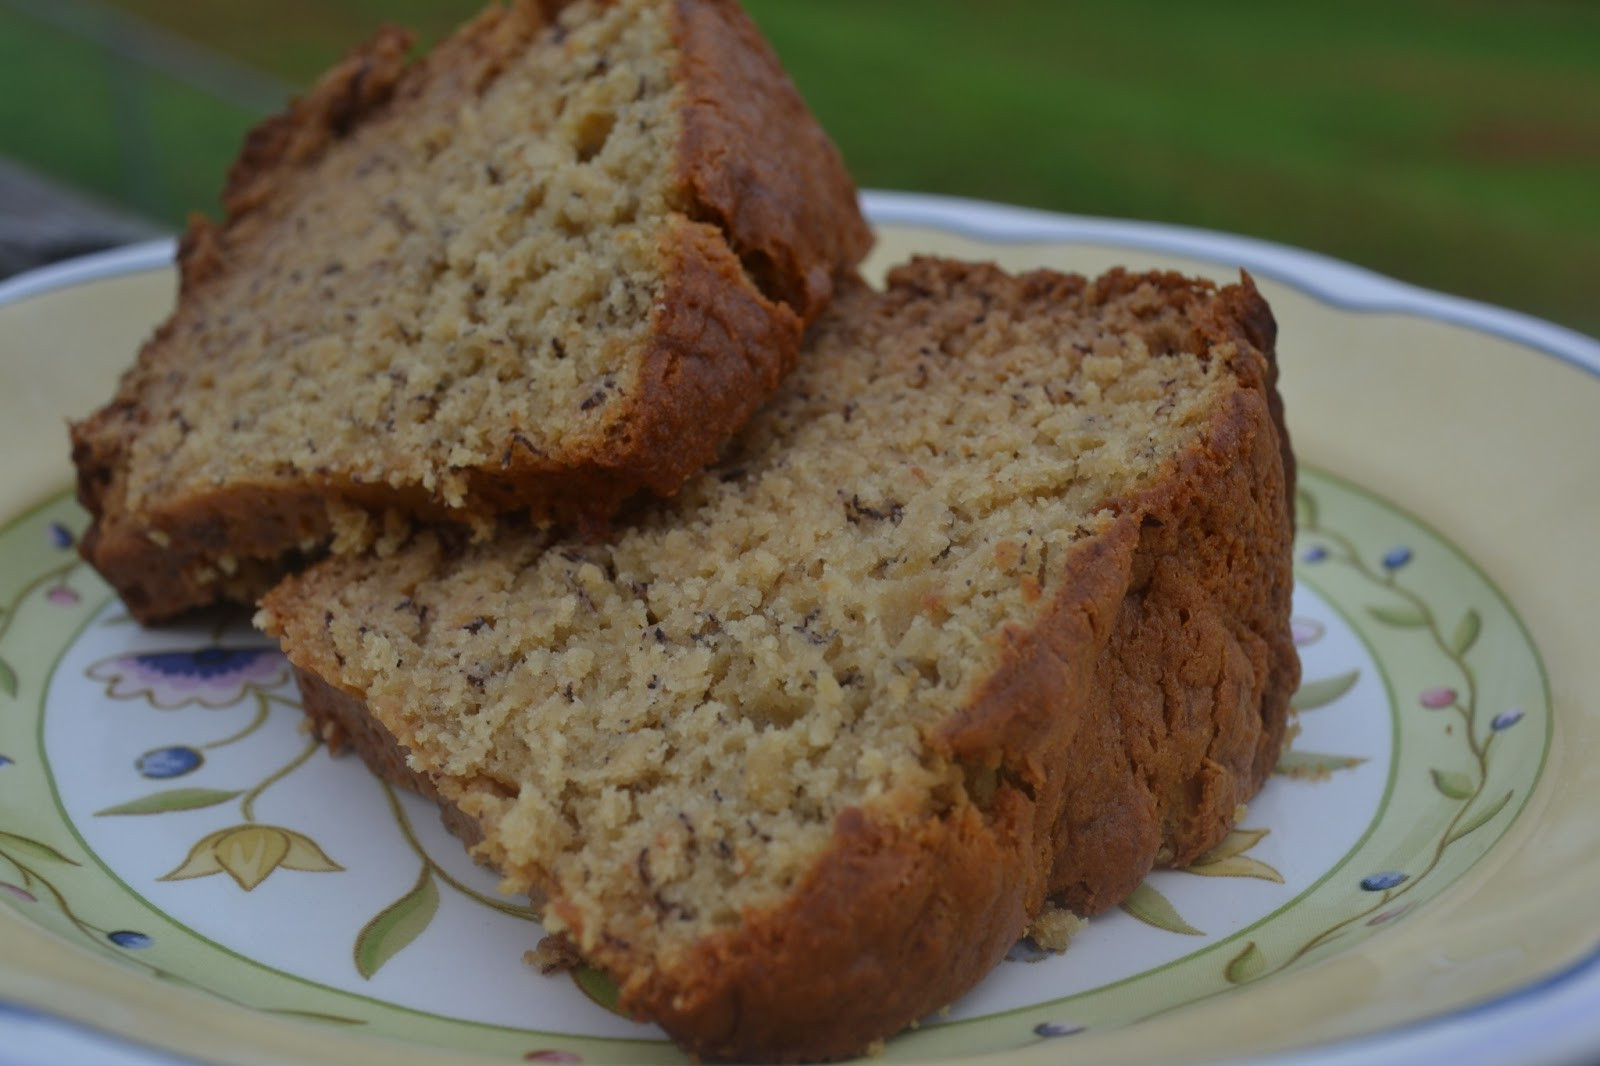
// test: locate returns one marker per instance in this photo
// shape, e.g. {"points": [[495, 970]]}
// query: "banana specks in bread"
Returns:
{"points": [[553, 263], [987, 610]]}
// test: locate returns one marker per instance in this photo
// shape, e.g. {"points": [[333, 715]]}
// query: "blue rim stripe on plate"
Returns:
{"points": [[32, 1037], [1467, 1028], [129, 259]]}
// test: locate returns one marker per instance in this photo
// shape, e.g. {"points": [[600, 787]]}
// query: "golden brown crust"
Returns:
{"points": [[897, 922], [750, 156], [232, 547], [773, 218], [356, 86]]}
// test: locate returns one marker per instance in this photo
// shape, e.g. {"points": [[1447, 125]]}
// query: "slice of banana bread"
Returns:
{"points": [[554, 262], [989, 606]]}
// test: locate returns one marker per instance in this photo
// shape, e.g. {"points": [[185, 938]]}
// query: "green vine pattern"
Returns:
{"points": [[54, 582], [27, 857], [1402, 608], [394, 927], [34, 865]]}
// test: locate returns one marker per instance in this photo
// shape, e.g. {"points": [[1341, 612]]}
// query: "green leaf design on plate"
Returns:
{"points": [[8, 679], [1228, 859], [1237, 866], [1152, 908], [1466, 632], [175, 799], [33, 849], [1246, 966], [1237, 842], [397, 925], [598, 987], [1481, 819], [1407, 616], [1314, 764], [1320, 693], [1454, 783]]}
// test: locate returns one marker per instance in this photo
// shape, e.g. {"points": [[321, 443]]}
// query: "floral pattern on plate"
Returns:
{"points": [[177, 817]]}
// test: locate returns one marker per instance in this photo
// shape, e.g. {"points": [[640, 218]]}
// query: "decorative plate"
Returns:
{"points": [[184, 869]]}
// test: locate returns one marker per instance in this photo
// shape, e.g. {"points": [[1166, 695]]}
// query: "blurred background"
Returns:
{"points": [[1450, 143]]}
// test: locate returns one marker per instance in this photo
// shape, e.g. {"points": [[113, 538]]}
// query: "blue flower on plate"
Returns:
{"points": [[1506, 719], [1314, 554], [1381, 882], [1048, 1029], [1395, 558], [175, 761], [210, 676], [60, 535], [6, 760], [127, 938]]}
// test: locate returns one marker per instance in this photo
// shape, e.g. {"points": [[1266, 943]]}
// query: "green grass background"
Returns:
{"points": [[1451, 143]]}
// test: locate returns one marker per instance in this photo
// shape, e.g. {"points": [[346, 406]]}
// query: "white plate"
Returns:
{"points": [[1426, 897]]}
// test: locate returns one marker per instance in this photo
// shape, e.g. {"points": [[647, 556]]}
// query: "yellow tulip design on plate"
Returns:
{"points": [[249, 853]]}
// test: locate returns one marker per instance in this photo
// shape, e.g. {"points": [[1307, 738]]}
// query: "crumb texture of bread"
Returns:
{"points": [[987, 608], [1054, 927], [554, 262]]}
